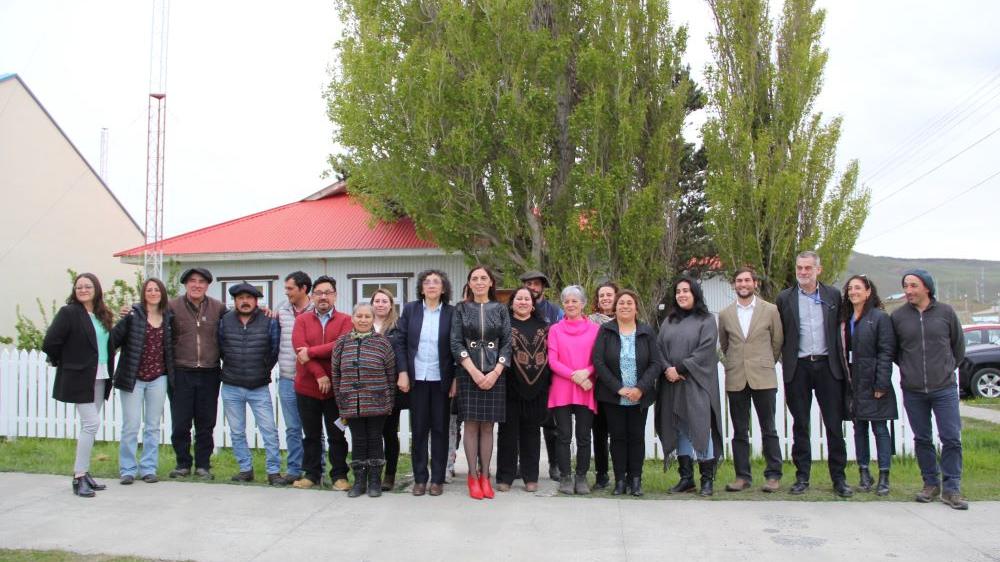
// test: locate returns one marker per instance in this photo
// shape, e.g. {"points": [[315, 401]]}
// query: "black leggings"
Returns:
{"points": [[564, 424], [366, 438], [390, 436]]}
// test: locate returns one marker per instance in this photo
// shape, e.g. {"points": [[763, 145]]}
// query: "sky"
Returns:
{"points": [[916, 82]]}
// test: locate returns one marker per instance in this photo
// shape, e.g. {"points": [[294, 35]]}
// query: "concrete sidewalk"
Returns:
{"points": [[983, 414], [209, 522]]}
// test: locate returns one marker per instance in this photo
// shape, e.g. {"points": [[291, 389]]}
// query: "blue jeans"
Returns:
{"points": [[293, 424], [943, 403], [685, 448], [145, 404], [235, 400], [883, 443]]}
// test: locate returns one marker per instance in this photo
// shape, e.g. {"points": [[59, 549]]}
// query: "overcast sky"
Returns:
{"points": [[917, 83]]}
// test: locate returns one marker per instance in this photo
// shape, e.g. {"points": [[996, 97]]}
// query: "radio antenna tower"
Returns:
{"points": [[156, 139], [104, 154]]}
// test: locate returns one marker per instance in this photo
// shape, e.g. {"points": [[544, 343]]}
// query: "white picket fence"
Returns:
{"points": [[28, 410]]}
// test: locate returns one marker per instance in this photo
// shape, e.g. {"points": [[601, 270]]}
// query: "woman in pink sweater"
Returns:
{"points": [[571, 395]]}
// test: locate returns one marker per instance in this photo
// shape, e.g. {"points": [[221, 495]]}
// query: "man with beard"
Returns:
{"points": [[810, 313], [750, 337], [248, 343]]}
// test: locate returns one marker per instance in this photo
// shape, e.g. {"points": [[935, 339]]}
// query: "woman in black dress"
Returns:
{"points": [[480, 341], [528, 378]]}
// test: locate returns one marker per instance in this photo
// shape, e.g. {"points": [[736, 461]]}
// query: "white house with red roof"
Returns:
{"points": [[327, 233]]}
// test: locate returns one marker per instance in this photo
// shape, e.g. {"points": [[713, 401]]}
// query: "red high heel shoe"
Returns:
{"points": [[475, 491], [484, 485]]}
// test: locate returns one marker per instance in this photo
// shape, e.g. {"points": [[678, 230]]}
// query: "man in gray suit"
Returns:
{"points": [[750, 336]]}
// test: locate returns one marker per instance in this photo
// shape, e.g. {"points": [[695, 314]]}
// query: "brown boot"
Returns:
{"points": [[738, 485], [928, 494]]}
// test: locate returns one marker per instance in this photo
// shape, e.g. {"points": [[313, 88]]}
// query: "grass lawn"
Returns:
{"points": [[63, 556], [981, 466], [991, 403]]}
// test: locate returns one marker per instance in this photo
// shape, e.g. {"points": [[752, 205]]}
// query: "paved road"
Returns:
{"points": [[984, 414], [174, 520]]}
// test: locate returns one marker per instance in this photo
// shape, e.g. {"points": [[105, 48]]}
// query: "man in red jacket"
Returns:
{"points": [[313, 338]]}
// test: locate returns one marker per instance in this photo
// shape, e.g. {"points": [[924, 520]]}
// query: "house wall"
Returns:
{"points": [[349, 273], [58, 213]]}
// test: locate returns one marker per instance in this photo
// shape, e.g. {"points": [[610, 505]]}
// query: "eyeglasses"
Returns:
{"points": [[430, 282], [324, 293]]}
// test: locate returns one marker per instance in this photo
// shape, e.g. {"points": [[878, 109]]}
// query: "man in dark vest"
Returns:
{"points": [[249, 342]]}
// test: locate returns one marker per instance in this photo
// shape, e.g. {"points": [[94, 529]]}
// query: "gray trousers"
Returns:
{"points": [[90, 421]]}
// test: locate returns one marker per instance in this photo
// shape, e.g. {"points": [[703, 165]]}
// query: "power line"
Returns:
{"points": [[934, 208], [938, 167]]}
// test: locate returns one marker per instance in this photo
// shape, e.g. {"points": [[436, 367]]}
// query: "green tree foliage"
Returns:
{"points": [[770, 156], [523, 133]]}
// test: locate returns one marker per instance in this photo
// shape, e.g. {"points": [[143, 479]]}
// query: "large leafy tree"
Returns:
{"points": [[770, 185], [523, 133]]}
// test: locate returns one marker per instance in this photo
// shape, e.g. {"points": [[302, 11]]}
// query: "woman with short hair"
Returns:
{"points": [[78, 344], [363, 377], [689, 411], [146, 363], [571, 396]]}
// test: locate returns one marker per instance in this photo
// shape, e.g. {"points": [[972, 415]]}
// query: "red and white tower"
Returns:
{"points": [[156, 139]]}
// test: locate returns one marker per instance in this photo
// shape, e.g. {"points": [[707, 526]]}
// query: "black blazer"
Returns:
{"points": [[607, 363], [71, 346], [788, 308], [407, 338]]}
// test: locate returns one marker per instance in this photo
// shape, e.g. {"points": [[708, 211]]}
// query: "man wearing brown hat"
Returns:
{"points": [[194, 388]]}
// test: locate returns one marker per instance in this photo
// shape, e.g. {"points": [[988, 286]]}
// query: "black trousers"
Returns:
{"points": [[366, 438], [390, 439], [430, 412], [194, 397], [316, 414], [564, 424], [519, 437], [600, 434], [815, 376], [739, 411], [627, 426], [551, 436]]}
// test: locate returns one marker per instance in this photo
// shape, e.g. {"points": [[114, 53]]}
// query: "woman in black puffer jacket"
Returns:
{"points": [[868, 346], [145, 365]]}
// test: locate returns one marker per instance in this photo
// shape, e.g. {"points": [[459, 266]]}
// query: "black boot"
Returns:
{"points": [[93, 483], [883, 483], [685, 467], [865, 481], [620, 488], [550, 448], [360, 469], [375, 477], [82, 488], [707, 470], [637, 486]]}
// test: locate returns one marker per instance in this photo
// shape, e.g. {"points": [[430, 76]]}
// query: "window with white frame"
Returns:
{"points": [[264, 284], [364, 286]]}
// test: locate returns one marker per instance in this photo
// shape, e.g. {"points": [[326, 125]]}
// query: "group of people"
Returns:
{"points": [[588, 371]]}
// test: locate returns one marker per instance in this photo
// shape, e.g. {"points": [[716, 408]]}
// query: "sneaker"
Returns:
{"points": [[276, 479], [954, 500], [204, 474], [928, 494], [341, 485], [303, 484], [246, 476], [150, 479], [181, 472], [127, 480]]}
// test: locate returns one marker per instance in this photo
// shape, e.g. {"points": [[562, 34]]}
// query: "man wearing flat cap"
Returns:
{"points": [[194, 388], [249, 341], [929, 346]]}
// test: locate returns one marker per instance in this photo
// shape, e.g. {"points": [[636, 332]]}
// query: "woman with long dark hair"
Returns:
{"points": [[528, 378], [689, 412], [386, 317], [868, 345], [144, 368], [78, 344], [627, 361], [480, 341]]}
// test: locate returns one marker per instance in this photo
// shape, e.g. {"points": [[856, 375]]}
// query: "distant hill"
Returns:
{"points": [[956, 280]]}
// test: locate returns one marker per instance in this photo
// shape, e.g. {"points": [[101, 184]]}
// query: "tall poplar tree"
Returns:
{"points": [[770, 156], [523, 133]]}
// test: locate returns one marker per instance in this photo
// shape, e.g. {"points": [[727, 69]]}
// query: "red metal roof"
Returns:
{"points": [[332, 222]]}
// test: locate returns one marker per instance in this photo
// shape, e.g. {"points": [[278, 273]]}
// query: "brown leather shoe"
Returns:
{"points": [[738, 485], [341, 485], [772, 485], [928, 494], [503, 487], [954, 500], [419, 489], [531, 487], [437, 489]]}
